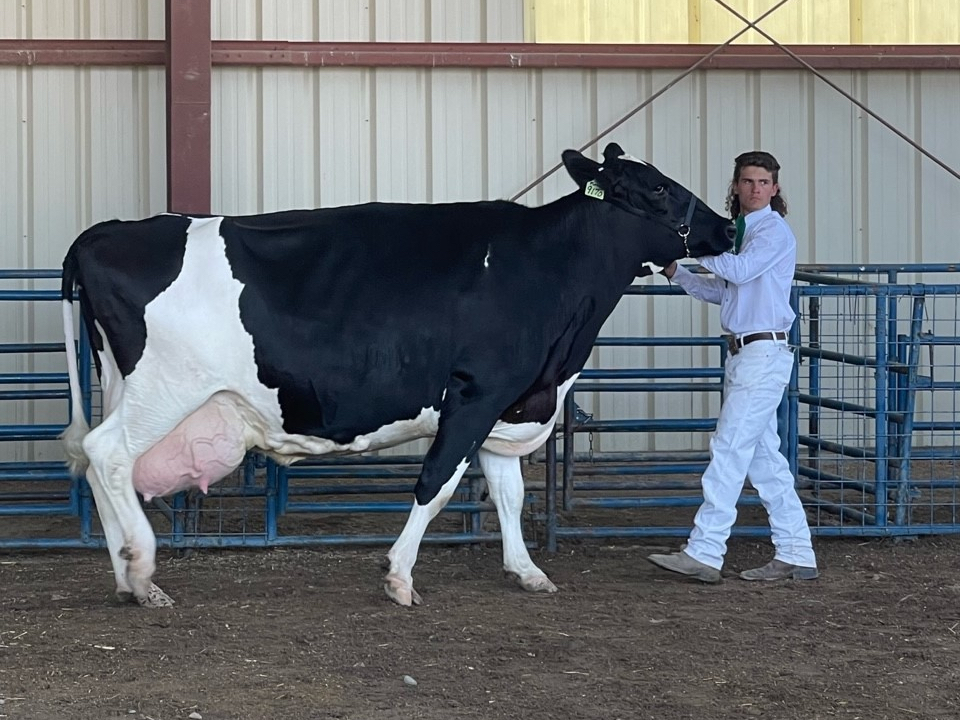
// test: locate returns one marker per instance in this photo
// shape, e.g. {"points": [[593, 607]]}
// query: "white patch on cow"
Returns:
{"points": [[297, 447], [518, 439], [288, 448], [631, 158], [654, 268], [196, 347], [486, 258], [111, 381]]}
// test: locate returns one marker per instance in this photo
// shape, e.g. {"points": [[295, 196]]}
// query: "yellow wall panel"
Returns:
{"points": [[798, 21], [555, 21], [614, 19], [637, 21], [611, 21], [936, 21], [706, 21], [886, 21]]}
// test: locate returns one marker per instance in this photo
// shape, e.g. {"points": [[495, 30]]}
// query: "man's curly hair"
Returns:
{"points": [[761, 159]]}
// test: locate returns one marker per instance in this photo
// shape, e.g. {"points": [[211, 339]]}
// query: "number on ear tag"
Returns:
{"points": [[593, 190]]}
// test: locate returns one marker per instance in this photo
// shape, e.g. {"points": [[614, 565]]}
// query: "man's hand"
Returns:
{"points": [[669, 270]]}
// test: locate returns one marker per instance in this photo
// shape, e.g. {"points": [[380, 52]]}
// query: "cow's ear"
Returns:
{"points": [[582, 169], [612, 152]]}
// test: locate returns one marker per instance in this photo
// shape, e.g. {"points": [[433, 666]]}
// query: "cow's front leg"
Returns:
{"points": [[130, 539], [467, 414], [505, 483], [398, 583]]}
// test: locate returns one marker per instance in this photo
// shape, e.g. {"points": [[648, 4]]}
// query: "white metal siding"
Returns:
{"points": [[82, 19], [369, 21], [282, 20]]}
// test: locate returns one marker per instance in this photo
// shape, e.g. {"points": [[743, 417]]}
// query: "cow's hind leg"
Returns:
{"points": [[505, 482], [130, 539]]}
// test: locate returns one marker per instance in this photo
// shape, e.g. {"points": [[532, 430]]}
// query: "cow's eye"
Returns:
{"points": [[660, 189]]}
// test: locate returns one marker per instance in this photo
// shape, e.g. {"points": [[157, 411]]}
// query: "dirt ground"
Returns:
{"points": [[293, 633]]}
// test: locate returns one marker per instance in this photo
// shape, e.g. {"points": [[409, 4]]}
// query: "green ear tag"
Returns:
{"points": [[593, 190]]}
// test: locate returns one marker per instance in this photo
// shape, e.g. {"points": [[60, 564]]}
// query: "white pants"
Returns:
{"points": [[746, 444]]}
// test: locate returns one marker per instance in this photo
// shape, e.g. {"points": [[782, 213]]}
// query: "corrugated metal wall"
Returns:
{"points": [[305, 137], [79, 145], [706, 21], [645, 21], [318, 20], [83, 19], [372, 20]]}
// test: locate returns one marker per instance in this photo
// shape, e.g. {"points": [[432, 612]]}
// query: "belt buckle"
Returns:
{"points": [[732, 346]]}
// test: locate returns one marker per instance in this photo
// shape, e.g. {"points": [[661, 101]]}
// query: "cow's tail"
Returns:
{"points": [[78, 428]]}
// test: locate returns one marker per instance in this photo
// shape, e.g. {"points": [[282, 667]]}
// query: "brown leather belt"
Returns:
{"points": [[735, 344]]}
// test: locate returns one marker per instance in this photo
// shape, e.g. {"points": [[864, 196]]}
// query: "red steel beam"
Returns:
{"points": [[82, 52], [188, 106], [480, 55], [525, 55]]}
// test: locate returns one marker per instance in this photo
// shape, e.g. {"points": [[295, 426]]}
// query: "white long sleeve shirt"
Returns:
{"points": [[752, 288]]}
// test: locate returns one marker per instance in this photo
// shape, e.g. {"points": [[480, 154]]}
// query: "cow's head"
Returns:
{"points": [[639, 188]]}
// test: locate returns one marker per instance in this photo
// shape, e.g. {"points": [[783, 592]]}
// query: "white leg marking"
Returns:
{"points": [[398, 583], [505, 482], [130, 538]]}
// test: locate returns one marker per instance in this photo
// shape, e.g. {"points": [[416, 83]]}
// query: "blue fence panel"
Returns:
{"points": [[32, 487]]}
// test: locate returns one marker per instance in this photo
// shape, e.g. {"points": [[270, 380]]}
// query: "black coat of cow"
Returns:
{"points": [[365, 326]]}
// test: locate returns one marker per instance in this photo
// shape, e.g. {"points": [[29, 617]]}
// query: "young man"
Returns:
{"points": [[752, 287]]}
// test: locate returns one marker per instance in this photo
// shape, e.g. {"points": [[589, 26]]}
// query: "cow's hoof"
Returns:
{"points": [[402, 593], [155, 598], [533, 583]]}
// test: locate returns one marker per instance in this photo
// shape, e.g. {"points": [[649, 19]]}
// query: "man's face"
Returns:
{"points": [[754, 188]]}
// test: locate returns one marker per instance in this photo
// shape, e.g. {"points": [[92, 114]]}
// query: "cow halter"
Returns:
{"points": [[593, 189], [684, 230]]}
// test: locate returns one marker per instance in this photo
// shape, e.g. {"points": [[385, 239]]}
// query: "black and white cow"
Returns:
{"points": [[351, 329]]}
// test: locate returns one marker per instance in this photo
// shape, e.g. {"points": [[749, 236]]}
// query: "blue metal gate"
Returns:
{"points": [[36, 487]]}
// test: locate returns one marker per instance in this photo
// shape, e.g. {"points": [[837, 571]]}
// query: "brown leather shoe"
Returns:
{"points": [[680, 562], [779, 570]]}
